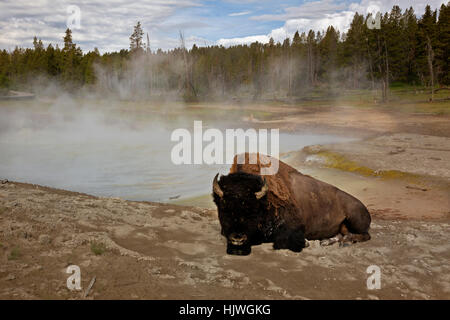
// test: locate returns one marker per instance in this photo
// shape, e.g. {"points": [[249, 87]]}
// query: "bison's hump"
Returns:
{"points": [[280, 188]]}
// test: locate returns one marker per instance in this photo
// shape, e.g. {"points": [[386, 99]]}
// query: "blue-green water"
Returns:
{"points": [[106, 152]]}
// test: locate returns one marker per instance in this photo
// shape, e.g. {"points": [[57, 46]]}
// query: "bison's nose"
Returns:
{"points": [[237, 239], [238, 244]]}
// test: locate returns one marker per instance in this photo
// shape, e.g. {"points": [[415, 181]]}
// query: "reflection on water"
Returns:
{"points": [[111, 153]]}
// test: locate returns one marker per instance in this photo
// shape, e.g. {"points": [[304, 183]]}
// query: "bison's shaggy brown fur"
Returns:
{"points": [[293, 206], [280, 189]]}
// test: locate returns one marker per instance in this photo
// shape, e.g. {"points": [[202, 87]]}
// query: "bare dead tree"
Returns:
{"points": [[430, 58], [370, 64], [386, 91], [289, 58], [383, 67], [189, 87]]}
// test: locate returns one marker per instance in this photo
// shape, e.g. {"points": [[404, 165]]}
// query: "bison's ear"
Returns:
{"points": [[216, 187], [261, 193]]}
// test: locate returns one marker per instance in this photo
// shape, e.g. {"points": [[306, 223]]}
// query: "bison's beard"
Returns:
{"points": [[241, 250], [238, 244]]}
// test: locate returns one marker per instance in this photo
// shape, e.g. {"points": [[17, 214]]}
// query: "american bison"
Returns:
{"points": [[285, 208]]}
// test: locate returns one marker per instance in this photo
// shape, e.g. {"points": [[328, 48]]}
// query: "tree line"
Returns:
{"points": [[406, 49]]}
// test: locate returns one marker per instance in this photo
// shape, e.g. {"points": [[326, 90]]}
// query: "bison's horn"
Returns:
{"points": [[216, 187], [263, 190]]}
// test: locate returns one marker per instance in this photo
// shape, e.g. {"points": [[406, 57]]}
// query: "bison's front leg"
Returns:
{"points": [[289, 238]]}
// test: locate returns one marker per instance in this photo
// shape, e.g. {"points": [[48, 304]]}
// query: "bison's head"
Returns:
{"points": [[242, 205]]}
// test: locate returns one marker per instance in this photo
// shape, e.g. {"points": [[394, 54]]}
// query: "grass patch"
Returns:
{"points": [[338, 161], [402, 98], [98, 248], [14, 254]]}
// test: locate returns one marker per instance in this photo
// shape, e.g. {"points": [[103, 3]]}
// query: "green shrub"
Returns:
{"points": [[14, 254], [98, 248]]}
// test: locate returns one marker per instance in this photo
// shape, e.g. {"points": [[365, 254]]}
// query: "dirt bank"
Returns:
{"points": [[17, 95], [397, 175], [345, 120], [143, 250]]}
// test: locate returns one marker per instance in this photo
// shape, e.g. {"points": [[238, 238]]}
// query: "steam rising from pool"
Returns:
{"points": [[111, 149]]}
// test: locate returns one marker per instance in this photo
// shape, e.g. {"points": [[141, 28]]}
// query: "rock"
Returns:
{"points": [[315, 159], [44, 239], [184, 215], [313, 149], [314, 244], [27, 235], [10, 277]]}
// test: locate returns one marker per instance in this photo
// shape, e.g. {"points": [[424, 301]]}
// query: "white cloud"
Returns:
{"points": [[318, 15], [104, 24], [243, 40], [108, 24], [386, 5], [310, 10], [236, 14]]}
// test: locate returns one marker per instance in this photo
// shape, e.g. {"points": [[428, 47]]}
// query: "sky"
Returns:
{"points": [[108, 24]]}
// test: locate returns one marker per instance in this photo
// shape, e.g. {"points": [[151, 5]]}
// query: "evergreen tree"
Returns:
{"points": [[355, 49], [328, 49], [443, 45], [427, 35], [136, 38]]}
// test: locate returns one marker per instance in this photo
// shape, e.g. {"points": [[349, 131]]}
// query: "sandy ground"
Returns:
{"points": [[167, 251], [157, 251], [343, 120]]}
